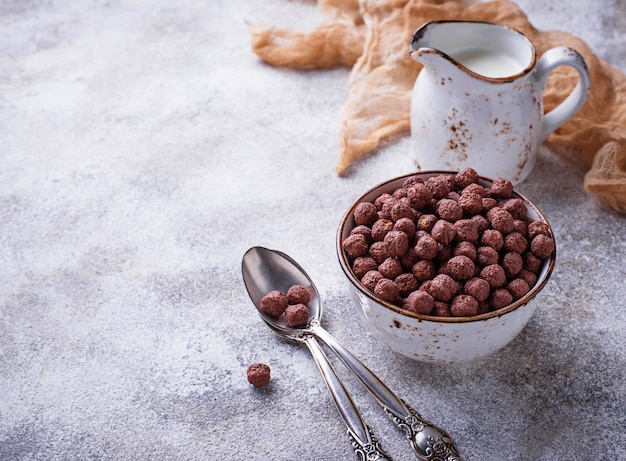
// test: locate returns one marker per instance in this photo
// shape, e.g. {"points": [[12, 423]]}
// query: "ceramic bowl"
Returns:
{"points": [[439, 339]]}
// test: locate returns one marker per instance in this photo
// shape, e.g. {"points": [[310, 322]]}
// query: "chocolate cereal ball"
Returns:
{"points": [[478, 288], [463, 306], [460, 268], [355, 245], [532, 262], [542, 246], [465, 249], [426, 247], [449, 210], [407, 283], [512, 264], [362, 265], [365, 213], [424, 270], [516, 207], [411, 181], [443, 231], [298, 294], [494, 275], [481, 222], [465, 177], [489, 203], [419, 196], [274, 303], [518, 288], [514, 241], [380, 228], [397, 243], [259, 374], [529, 277], [390, 268], [471, 203], [402, 210], [426, 222], [364, 231], [486, 256], [492, 238], [440, 186], [419, 302], [378, 251], [466, 230], [370, 279], [442, 287], [387, 290], [405, 225], [500, 298], [297, 315], [441, 309], [501, 188], [537, 227], [501, 220], [475, 188]]}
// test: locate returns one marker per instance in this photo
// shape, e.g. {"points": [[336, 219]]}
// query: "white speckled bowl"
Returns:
{"points": [[439, 339]]}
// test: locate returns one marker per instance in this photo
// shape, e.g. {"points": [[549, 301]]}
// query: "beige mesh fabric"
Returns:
{"points": [[372, 36]]}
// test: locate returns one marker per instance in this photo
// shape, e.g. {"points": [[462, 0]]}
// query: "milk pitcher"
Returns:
{"points": [[477, 102]]}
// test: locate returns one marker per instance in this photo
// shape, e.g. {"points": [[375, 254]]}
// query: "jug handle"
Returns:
{"points": [[551, 59]]}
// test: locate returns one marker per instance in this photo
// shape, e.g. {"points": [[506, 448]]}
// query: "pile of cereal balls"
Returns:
{"points": [[293, 305], [448, 246]]}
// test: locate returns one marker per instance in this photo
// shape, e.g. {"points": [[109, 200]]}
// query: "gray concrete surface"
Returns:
{"points": [[144, 149]]}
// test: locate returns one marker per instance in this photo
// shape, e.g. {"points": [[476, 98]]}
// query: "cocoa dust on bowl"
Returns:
{"points": [[438, 286]]}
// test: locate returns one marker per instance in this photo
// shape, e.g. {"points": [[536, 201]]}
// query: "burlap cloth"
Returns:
{"points": [[373, 37]]}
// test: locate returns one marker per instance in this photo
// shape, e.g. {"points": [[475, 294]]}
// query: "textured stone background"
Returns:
{"points": [[144, 149]]}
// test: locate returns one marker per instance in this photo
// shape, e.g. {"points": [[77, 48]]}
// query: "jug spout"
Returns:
{"points": [[431, 51], [478, 49]]}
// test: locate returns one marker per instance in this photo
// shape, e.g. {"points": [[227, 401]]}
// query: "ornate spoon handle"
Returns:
{"points": [[429, 442], [364, 443]]}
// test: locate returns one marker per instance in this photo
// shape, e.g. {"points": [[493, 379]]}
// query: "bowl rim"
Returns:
{"points": [[544, 274]]}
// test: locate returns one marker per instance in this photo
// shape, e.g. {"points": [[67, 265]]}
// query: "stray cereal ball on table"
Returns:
{"points": [[259, 374]]}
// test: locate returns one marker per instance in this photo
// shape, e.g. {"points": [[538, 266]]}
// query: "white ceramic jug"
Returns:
{"points": [[478, 102]]}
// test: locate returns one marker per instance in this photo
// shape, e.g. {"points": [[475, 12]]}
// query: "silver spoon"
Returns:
{"points": [[265, 270]]}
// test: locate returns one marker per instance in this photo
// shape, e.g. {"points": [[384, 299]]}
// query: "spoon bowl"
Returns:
{"points": [[266, 270]]}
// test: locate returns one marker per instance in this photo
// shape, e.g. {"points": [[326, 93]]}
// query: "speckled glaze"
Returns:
{"points": [[439, 339], [489, 119]]}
